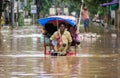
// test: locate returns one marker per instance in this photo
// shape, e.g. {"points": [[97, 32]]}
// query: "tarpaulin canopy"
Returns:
{"points": [[57, 19], [110, 3]]}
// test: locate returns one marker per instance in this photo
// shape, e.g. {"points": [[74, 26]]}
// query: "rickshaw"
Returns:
{"points": [[51, 25]]}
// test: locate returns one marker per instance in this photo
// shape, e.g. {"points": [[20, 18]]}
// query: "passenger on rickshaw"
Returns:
{"points": [[47, 31], [75, 35], [61, 40]]}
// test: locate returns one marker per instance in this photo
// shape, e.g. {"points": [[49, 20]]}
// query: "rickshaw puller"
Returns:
{"points": [[62, 41]]}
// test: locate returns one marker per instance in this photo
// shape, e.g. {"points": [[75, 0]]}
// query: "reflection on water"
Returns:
{"points": [[59, 67], [21, 56]]}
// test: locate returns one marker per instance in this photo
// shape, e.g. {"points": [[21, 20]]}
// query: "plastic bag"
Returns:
{"points": [[78, 38]]}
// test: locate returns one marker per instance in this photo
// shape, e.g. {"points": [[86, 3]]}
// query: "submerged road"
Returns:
{"points": [[21, 56]]}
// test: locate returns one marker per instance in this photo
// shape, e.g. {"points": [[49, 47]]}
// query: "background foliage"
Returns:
{"points": [[73, 5]]}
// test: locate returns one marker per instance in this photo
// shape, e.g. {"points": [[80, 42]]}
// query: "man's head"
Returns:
{"points": [[62, 26], [85, 8]]}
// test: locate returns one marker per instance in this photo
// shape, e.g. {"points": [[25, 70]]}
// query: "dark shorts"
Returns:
{"points": [[86, 22]]}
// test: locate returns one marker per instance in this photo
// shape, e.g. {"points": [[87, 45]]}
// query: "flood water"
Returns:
{"points": [[22, 56]]}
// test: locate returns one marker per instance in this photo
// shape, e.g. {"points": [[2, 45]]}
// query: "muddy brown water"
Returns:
{"points": [[21, 56]]}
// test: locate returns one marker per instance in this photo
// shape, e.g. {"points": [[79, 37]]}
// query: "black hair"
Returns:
{"points": [[50, 28], [61, 24]]}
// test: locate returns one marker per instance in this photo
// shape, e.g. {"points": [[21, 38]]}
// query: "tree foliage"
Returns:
{"points": [[27, 8], [73, 5]]}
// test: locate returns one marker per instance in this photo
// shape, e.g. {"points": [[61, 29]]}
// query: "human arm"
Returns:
{"points": [[68, 49], [52, 38], [51, 46], [69, 42], [82, 5], [43, 30]]}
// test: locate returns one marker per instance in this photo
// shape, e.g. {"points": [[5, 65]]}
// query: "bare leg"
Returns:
{"points": [[85, 29]]}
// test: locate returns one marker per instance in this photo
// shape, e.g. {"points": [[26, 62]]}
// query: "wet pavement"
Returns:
{"points": [[22, 56]]}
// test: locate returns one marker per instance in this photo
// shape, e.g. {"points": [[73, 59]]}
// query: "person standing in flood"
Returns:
{"points": [[85, 17], [2, 21]]}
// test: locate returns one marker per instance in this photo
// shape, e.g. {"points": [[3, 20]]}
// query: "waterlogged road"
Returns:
{"points": [[21, 56]]}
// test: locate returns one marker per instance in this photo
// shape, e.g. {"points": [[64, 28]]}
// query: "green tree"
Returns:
{"points": [[73, 5], [28, 7]]}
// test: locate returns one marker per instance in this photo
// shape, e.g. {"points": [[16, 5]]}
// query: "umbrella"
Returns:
{"points": [[55, 20], [110, 3]]}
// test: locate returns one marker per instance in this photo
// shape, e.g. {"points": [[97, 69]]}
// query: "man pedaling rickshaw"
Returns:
{"points": [[60, 41]]}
